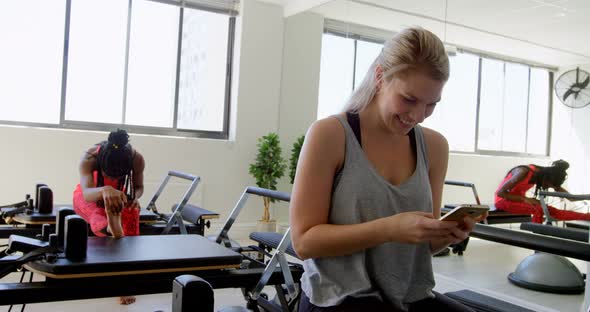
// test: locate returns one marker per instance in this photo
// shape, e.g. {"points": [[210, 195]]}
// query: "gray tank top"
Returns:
{"points": [[396, 273]]}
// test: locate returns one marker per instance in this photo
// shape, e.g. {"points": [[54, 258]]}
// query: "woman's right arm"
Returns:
{"points": [[321, 156], [518, 174]]}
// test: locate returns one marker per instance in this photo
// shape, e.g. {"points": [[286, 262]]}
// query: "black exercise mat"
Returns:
{"points": [[106, 255]]}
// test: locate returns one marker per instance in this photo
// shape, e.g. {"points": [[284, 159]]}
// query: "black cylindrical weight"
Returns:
{"points": [[45, 200], [37, 186], [62, 213], [76, 241], [45, 231], [53, 240], [191, 293]]}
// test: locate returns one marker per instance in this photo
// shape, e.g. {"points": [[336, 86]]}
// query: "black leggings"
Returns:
{"points": [[439, 303]]}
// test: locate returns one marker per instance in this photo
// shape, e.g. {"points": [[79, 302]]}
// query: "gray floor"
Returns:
{"points": [[482, 268]]}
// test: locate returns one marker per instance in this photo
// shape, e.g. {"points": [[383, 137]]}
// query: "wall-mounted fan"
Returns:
{"points": [[573, 88]]}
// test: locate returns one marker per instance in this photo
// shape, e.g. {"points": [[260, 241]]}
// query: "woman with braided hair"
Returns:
{"points": [[111, 181], [511, 197]]}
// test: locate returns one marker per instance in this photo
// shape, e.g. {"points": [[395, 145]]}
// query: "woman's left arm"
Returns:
{"points": [[438, 158], [138, 167]]}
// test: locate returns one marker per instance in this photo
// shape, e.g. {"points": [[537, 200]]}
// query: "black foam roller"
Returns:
{"points": [[76, 242], [62, 213], [191, 293], [45, 200], [37, 186], [45, 231], [53, 240]]}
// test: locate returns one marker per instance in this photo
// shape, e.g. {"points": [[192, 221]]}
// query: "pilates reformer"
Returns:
{"points": [[27, 218], [494, 216], [546, 270], [542, 243], [133, 266], [288, 293]]}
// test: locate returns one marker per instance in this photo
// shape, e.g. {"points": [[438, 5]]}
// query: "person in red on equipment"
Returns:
{"points": [[510, 195], [111, 181]]}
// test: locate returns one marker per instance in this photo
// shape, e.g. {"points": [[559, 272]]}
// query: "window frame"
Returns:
{"points": [[479, 151], [137, 129]]}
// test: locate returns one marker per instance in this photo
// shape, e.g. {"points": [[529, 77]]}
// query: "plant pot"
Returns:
{"points": [[263, 226]]}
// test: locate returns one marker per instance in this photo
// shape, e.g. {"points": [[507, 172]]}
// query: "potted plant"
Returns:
{"points": [[295, 151], [267, 169]]}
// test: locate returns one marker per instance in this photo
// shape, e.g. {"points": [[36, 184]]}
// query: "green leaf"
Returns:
{"points": [[269, 165], [295, 151]]}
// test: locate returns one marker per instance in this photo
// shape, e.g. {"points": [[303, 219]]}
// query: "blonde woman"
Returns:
{"points": [[365, 202]]}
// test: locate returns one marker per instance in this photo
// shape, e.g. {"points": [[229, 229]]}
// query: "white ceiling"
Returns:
{"points": [[552, 32]]}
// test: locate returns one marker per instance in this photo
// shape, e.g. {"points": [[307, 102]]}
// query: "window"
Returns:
{"points": [[454, 115], [31, 60], [151, 74], [538, 116], [514, 108], [96, 61], [487, 105], [336, 74], [154, 67], [202, 84], [366, 53]]}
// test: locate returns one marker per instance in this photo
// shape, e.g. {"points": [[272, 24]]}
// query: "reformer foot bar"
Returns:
{"points": [[558, 246]]}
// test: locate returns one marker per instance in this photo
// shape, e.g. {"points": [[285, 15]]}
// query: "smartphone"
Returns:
{"points": [[462, 211]]}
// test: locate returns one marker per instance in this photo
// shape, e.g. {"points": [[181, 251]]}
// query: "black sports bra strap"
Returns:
{"points": [[412, 135], [355, 124]]}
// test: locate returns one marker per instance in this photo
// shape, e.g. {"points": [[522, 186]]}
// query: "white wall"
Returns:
{"points": [[571, 139], [299, 86], [32, 155], [486, 172]]}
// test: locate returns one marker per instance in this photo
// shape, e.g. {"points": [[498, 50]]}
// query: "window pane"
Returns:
{"points": [[96, 60], [203, 60], [336, 69], [151, 73], [538, 112], [491, 105], [515, 108], [31, 60], [455, 115], [366, 53]]}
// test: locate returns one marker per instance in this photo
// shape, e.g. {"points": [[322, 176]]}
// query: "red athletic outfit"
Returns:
{"points": [[94, 213], [525, 208]]}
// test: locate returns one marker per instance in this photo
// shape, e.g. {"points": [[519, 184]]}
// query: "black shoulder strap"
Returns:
{"points": [[412, 135], [355, 123]]}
